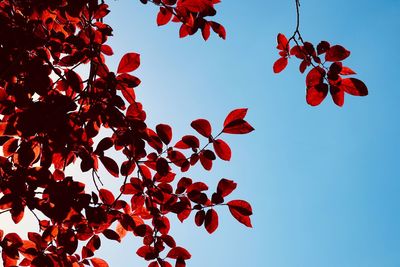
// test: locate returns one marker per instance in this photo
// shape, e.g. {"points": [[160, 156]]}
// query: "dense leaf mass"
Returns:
{"points": [[50, 116]]}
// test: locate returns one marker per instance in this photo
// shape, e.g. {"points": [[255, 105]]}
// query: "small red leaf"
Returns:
{"points": [[179, 252], [316, 94], [236, 114], [280, 64], [241, 210], [218, 29], [315, 77], [347, 71], [164, 131], [129, 62], [205, 162], [97, 262], [205, 31], [337, 53], [199, 217], [238, 127], [107, 50], [106, 196], [162, 166], [337, 95], [163, 16], [202, 126], [112, 235], [110, 165], [129, 95], [211, 221], [104, 144], [282, 42], [354, 86], [222, 149], [225, 187]]}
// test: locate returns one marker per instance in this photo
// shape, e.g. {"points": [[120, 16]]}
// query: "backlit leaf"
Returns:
{"points": [[241, 210], [97, 262], [211, 221], [202, 126], [129, 62], [110, 165], [222, 149], [179, 252], [280, 64], [354, 86]]}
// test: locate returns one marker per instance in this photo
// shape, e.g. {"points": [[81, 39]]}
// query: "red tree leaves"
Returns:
{"points": [[51, 116], [192, 14], [321, 78]]}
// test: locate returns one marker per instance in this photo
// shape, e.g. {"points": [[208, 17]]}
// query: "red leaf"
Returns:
{"points": [[222, 149], [129, 80], [205, 31], [205, 162], [280, 64], [184, 31], [97, 262], [110, 165], [188, 141], [129, 62], [179, 252], [315, 77], [107, 50], [225, 187], [129, 95], [197, 186], [211, 221], [104, 144], [106, 196], [163, 16], [241, 210], [162, 166], [202, 126], [238, 127], [218, 29], [322, 47], [354, 86], [112, 235], [146, 252], [337, 95], [347, 71], [236, 114], [282, 42], [337, 53], [164, 131], [199, 217], [316, 94]]}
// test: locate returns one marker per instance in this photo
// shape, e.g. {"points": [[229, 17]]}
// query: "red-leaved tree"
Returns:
{"points": [[51, 114]]}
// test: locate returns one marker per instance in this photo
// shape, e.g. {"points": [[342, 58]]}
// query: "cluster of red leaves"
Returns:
{"points": [[191, 14], [50, 116], [321, 78]]}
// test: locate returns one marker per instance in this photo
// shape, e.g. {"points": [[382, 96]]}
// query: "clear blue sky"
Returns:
{"points": [[324, 182]]}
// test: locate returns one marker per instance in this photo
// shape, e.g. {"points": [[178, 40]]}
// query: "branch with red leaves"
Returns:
{"points": [[192, 14], [50, 116], [322, 77]]}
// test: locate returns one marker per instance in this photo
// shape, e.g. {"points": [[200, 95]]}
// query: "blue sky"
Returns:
{"points": [[323, 181]]}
